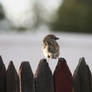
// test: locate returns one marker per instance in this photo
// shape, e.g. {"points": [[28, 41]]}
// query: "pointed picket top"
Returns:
{"points": [[2, 76], [82, 76], [42, 67], [81, 62], [12, 78], [42, 63], [62, 77], [11, 65], [2, 64], [27, 83], [44, 78]]}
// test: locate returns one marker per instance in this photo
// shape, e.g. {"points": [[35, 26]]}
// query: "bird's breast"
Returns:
{"points": [[45, 51]]}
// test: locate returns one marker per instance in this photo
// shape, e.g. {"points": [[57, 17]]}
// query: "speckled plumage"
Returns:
{"points": [[51, 47]]}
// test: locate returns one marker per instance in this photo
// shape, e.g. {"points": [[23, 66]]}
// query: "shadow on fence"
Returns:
{"points": [[44, 81]]}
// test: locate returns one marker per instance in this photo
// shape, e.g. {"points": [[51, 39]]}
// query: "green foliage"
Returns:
{"points": [[74, 15], [1, 12]]}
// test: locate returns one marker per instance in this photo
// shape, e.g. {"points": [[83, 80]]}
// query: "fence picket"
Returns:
{"points": [[12, 79], [2, 76], [43, 81], [27, 83], [62, 77], [82, 77], [44, 78]]}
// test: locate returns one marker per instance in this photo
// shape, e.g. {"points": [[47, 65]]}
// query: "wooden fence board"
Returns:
{"points": [[2, 76], [44, 78], [62, 77], [12, 79], [82, 77], [44, 81], [27, 83]]}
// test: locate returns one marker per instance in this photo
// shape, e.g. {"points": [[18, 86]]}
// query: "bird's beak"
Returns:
{"points": [[56, 38]]}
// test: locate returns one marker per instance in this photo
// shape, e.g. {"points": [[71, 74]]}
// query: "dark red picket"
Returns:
{"points": [[62, 77]]}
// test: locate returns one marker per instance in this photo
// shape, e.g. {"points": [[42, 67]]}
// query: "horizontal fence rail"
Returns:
{"points": [[43, 80]]}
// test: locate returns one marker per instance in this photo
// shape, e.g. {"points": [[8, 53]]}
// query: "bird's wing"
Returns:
{"points": [[53, 47]]}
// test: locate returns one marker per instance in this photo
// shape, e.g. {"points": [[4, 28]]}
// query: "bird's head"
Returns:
{"points": [[51, 36]]}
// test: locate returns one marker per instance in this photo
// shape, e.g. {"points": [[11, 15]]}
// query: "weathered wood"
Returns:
{"points": [[27, 83], [63, 81], [44, 78], [91, 82], [2, 76], [60, 81], [82, 77], [12, 79]]}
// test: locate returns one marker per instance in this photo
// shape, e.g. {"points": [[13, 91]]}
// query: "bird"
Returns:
{"points": [[50, 47]]}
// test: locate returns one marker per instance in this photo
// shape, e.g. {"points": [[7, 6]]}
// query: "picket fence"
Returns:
{"points": [[44, 81]]}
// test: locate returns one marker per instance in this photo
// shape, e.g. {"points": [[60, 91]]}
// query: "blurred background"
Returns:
{"points": [[24, 23]]}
